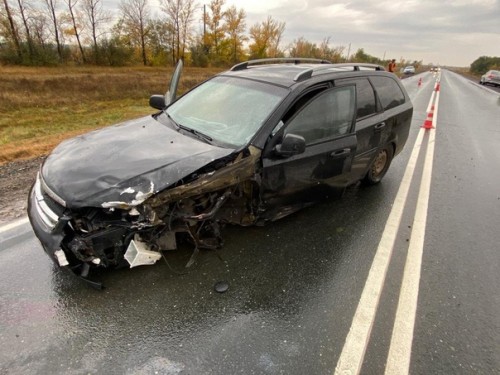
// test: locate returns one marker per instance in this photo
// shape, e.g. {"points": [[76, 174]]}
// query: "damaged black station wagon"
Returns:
{"points": [[250, 145]]}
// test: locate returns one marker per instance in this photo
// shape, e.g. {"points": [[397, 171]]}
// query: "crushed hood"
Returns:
{"points": [[124, 164]]}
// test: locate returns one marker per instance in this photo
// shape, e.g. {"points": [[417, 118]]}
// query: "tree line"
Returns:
{"points": [[53, 32], [484, 63]]}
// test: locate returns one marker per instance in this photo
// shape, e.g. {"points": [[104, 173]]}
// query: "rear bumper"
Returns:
{"points": [[490, 81]]}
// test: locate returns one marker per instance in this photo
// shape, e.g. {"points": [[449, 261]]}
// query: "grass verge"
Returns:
{"points": [[40, 107]]}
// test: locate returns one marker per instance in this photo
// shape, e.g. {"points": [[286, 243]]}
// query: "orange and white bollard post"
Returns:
{"points": [[428, 121]]}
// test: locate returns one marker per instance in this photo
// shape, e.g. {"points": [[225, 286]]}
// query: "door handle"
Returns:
{"points": [[379, 127], [340, 153]]}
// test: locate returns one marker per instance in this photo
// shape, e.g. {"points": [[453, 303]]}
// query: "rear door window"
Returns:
{"points": [[365, 97], [388, 91]]}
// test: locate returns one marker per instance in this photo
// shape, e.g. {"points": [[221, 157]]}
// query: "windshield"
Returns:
{"points": [[228, 110]]}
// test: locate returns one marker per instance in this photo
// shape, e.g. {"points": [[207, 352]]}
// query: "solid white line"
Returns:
{"points": [[429, 107], [352, 355], [13, 225], [398, 359]]}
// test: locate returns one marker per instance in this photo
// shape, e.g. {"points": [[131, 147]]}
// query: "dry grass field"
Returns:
{"points": [[40, 107]]}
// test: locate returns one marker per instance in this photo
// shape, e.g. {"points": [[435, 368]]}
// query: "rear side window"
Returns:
{"points": [[388, 91], [365, 97]]}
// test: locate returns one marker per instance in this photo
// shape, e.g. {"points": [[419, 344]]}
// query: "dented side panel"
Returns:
{"points": [[306, 178], [242, 169]]}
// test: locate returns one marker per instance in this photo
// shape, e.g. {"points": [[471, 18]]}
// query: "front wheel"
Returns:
{"points": [[379, 166]]}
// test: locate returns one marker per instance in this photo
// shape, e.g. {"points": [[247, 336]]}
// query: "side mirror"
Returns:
{"points": [[292, 145], [157, 102]]}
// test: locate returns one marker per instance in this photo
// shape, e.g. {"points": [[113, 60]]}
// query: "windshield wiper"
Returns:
{"points": [[197, 133], [176, 125]]}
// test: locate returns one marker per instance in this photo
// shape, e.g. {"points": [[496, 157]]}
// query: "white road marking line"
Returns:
{"points": [[398, 359], [429, 107], [353, 352], [352, 355], [13, 225]]}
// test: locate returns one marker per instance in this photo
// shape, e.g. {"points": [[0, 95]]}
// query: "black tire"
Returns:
{"points": [[379, 166]]}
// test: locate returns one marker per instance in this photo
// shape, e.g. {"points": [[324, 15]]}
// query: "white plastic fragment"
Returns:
{"points": [[61, 258], [134, 212], [138, 254]]}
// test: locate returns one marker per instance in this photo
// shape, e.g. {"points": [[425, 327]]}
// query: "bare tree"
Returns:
{"points": [[72, 8], [13, 30], [51, 8], [96, 17], [180, 13], [24, 17], [172, 11], [136, 15], [38, 25]]}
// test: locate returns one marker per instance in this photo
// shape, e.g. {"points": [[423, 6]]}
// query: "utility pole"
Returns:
{"points": [[205, 49], [204, 22]]}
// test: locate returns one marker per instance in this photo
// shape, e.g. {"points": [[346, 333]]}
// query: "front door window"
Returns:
{"points": [[328, 115]]}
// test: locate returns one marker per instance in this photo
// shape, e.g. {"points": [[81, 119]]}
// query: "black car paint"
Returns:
{"points": [[324, 169], [114, 164]]}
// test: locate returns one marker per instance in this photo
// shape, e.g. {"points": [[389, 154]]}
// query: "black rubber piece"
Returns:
{"points": [[221, 286]]}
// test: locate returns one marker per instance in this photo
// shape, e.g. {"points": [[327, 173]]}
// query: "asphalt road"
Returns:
{"points": [[295, 285]]}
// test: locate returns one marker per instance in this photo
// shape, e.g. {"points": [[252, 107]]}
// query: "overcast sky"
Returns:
{"points": [[446, 32]]}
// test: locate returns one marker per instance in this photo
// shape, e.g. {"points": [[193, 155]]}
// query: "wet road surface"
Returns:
{"points": [[294, 285]]}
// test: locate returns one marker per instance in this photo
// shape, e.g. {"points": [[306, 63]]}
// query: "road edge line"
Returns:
{"points": [[14, 224]]}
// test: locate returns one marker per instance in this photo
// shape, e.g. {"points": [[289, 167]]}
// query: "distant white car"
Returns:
{"points": [[409, 70], [491, 77]]}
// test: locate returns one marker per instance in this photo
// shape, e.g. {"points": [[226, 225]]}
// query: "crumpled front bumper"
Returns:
{"points": [[50, 233], [47, 225]]}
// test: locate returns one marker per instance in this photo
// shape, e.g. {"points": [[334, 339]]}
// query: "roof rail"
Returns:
{"points": [[306, 74], [295, 60], [357, 66]]}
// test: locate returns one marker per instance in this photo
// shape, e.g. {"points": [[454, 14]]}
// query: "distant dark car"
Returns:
{"points": [[409, 70], [250, 145], [492, 77]]}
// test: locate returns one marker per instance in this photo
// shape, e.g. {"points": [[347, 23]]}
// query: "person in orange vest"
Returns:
{"points": [[392, 66]]}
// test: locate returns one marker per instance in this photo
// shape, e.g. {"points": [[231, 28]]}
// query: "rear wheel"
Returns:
{"points": [[379, 166]]}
